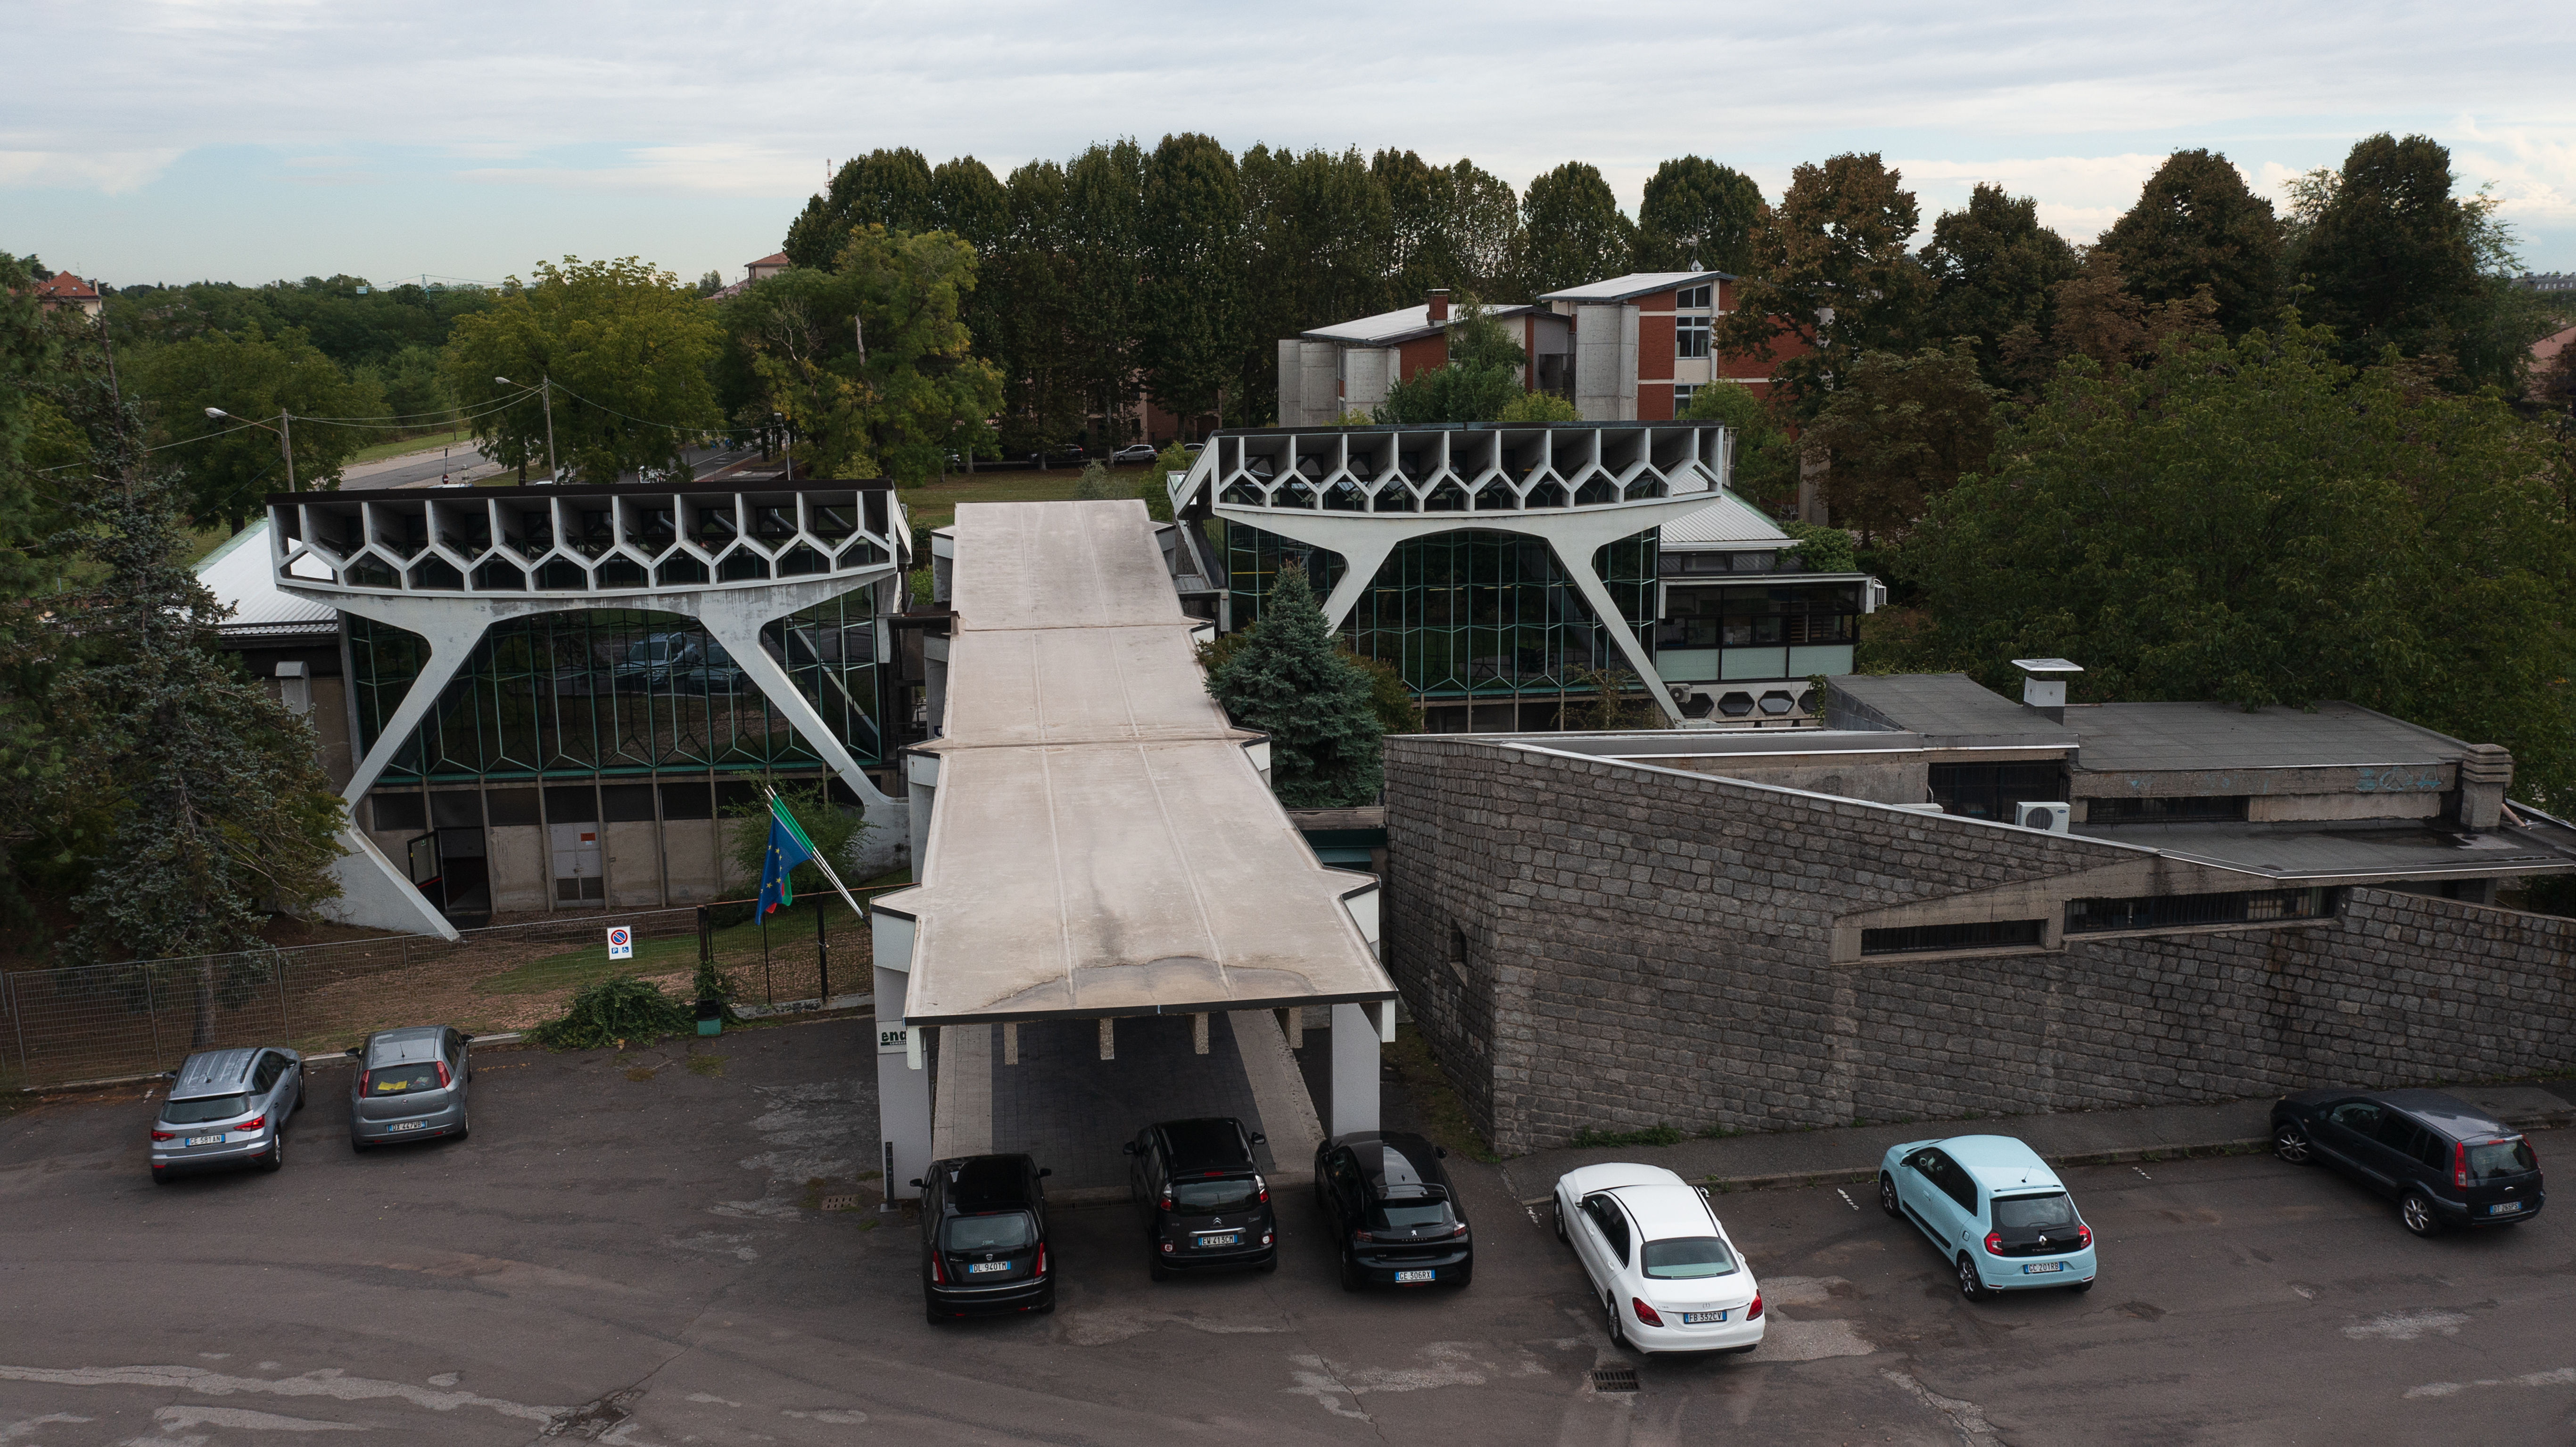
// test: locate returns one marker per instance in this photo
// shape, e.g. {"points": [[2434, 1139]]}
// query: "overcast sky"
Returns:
{"points": [[171, 140]]}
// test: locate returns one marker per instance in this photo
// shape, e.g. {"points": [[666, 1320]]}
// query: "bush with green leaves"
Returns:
{"points": [[1093, 484], [1289, 681], [1539, 407], [621, 1008]]}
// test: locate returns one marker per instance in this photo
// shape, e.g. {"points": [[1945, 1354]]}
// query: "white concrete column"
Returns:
{"points": [[1354, 1072], [736, 624], [903, 1092], [1607, 610]]}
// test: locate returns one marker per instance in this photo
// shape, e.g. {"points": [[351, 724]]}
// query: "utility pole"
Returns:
{"points": [[286, 444], [546, 388]]}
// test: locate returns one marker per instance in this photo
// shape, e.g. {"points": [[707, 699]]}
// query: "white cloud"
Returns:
{"points": [[715, 169], [111, 172]]}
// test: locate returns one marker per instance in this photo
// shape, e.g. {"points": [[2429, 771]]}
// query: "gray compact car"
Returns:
{"points": [[228, 1108], [410, 1086]]}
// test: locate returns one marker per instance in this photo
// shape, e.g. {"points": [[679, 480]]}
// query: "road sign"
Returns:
{"points": [[621, 943]]}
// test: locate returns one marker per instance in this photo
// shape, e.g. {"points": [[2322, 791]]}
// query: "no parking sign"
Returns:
{"points": [[621, 943]]}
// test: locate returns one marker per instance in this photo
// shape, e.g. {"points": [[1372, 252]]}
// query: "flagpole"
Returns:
{"points": [[775, 803]]}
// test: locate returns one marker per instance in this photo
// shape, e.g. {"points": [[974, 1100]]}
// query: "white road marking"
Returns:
{"points": [[2407, 1325], [2562, 1377], [327, 1382], [1847, 1200]]}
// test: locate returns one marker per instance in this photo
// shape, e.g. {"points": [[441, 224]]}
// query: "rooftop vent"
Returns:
{"points": [[2043, 684]]}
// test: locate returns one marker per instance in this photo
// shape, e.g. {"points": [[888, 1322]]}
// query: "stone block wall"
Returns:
{"points": [[1587, 943]]}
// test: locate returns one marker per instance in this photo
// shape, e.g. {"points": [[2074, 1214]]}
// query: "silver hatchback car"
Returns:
{"points": [[228, 1108], [410, 1086]]}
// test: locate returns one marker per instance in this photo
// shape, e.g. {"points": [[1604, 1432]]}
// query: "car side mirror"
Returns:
{"points": [[1441, 1152], [356, 1052], [1128, 1149], [1046, 1170], [461, 1035], [916, 1184]]}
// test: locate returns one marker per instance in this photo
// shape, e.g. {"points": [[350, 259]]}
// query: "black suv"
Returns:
{"points": [[2446, 1161], [1393, 1212], [984, 1237], [1206, 1205]]}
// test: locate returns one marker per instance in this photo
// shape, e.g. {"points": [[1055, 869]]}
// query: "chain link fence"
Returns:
{"points": [[96, 1023]]}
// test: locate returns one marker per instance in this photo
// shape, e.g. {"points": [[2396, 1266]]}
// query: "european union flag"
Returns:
{"points": [[788, 847]]}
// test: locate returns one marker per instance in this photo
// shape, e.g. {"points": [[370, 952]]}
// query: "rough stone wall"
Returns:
{"points": [[1645, 947]]}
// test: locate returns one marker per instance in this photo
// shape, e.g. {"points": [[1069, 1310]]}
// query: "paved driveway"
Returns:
{"points": [[630, 1250]]}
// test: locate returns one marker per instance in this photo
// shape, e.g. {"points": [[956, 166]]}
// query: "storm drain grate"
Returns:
{"points": [[840, 1203], [1614, 1379]]}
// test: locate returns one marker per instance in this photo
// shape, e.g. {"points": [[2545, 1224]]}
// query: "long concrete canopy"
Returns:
{"points": [[1101, 840]]}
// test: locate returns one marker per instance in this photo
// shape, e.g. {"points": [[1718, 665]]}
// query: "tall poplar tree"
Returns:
{"points": [[1191, 226], [2389, 260], [1697, 212], [893, 189], [2197, 224], [1572, 231], [1994, 271]]}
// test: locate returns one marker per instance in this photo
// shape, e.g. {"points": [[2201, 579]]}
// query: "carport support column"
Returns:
{"points": [[903, 1089], [1354, 1076]]}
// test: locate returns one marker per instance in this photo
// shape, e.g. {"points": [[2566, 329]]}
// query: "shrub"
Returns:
{"points": [[620, 1007]]}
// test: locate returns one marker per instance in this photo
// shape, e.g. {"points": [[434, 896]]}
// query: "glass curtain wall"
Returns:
{"points": [[620, 692], [1469, 613]]}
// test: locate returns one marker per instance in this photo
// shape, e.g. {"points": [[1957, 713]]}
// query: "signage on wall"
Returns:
{"points": [[621, 943], [893, 1039]]}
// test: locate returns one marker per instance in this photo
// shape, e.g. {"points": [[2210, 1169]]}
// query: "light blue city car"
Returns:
{"points": [[1994, 1208]]}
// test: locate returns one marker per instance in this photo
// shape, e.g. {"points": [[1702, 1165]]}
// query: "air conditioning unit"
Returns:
{"points": [[2055, 818]]}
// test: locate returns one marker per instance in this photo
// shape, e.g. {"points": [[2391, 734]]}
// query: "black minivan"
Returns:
{"points": [[1395, 1218], [984, 1238], [2446, 1161], [1205, 1203]]}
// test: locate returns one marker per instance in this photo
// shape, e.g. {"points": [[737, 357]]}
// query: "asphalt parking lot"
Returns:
{"points": [[630, 1249]]}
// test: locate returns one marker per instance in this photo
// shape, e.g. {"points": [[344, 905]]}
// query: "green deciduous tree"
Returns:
{"points": [[832, 827], [1766, 457], [253, 377], [1572, 231], [1192, 223], [1104, 229], [1480, 381], [2259, 524], [1024, 302], [1697, 213], [1319, 246], [1899, 431], [2389, 260], [1452, 226], [869, 360], [1995, 272], [629, 347], [1289, 681], [893, 189], [2197, 224], [1538, 407], [1830, 273]]}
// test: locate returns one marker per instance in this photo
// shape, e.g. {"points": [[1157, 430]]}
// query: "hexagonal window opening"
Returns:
{"points": [[1736, 705], [1778, 702]]}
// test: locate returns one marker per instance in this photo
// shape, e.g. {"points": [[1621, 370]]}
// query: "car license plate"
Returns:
{"points": [[1405, 1276], [405, 1125], [205, 1140], [1696, 1318], [2043, 1268], [978, 1268], [2506, 1209], [1228, 1239]]}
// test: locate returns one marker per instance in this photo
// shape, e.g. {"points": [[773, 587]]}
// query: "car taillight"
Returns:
{"points": [[366, 1081], [442, 1075], [1645, 1313], [165, 1135], [1755, 1309], [1994, 1243], [1262, 1186], [2083, 1234], [1041, 1266], [1361, 1238], [936, 1274], [1167, 1248], [2460, 1164], [1166, 1202], [254, 1123], [1459, 1230]]}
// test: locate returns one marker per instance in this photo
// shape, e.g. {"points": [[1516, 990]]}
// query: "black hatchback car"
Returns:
{"points": [[984, 1238], [1205, 1203], [1394, 1215], [2446, 1161]]}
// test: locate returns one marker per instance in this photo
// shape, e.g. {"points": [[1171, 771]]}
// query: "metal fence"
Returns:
{"points": [[97, 1023]]}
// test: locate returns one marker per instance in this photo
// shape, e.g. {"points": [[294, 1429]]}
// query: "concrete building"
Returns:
{"points": [[1349, 366], [1943, 903], [1496, 566], [543, 698]]}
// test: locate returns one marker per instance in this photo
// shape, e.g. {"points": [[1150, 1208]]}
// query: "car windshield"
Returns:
{"points": [[1686, 1256], [1001, 1231], [2501, 1158], [1211, 1198], [204, 1108], [2015, 1213], [1410, 1215], [657, 650], [402, 1079]]}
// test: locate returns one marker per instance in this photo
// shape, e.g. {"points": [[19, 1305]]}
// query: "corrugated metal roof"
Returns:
{"points": [[1730, 520], [1401, 325], [1635, 283], [242, 578]]}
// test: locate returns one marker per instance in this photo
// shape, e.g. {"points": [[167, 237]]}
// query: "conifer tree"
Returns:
{"points": [[1287, 680]]}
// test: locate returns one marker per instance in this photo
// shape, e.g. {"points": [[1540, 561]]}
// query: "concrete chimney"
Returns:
{"points": [[1438, 298], [2043, 685], [2486, 772]]}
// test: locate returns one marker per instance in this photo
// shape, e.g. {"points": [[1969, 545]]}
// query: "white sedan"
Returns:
{"points": [[1669, 1278]]}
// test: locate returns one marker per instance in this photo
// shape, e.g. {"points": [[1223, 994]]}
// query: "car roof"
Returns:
{"points": [[2001, 1163], [1610, 1175], [1396, 1164], [1213, 1142], [1662, 1210], [987, 1183], [213, 1072], [2448, 1114], [411, 1042]]}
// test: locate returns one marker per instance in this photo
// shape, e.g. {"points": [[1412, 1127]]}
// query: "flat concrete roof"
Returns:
{"points": [[1101, 841], [1945, 707], [1404, 324], [2153, 736], [2353, 856]]}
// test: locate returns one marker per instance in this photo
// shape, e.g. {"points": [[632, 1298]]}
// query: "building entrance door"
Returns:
{"points": [[420, 856], [578, 876], [465, 875]]}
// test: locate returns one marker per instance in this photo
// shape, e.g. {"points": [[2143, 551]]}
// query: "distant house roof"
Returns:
{"points": [[1405, 324], [775, 258], [1636, 284], [2550, 346], [63, 286], [1727, 522]]}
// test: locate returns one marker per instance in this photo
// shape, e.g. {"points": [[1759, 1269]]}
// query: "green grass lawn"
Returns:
{"points": [[584, 964], [935, 505], [382, 450]]}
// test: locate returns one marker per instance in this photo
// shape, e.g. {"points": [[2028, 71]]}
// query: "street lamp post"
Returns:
{"points": [[284, 429], [546, 391]]}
